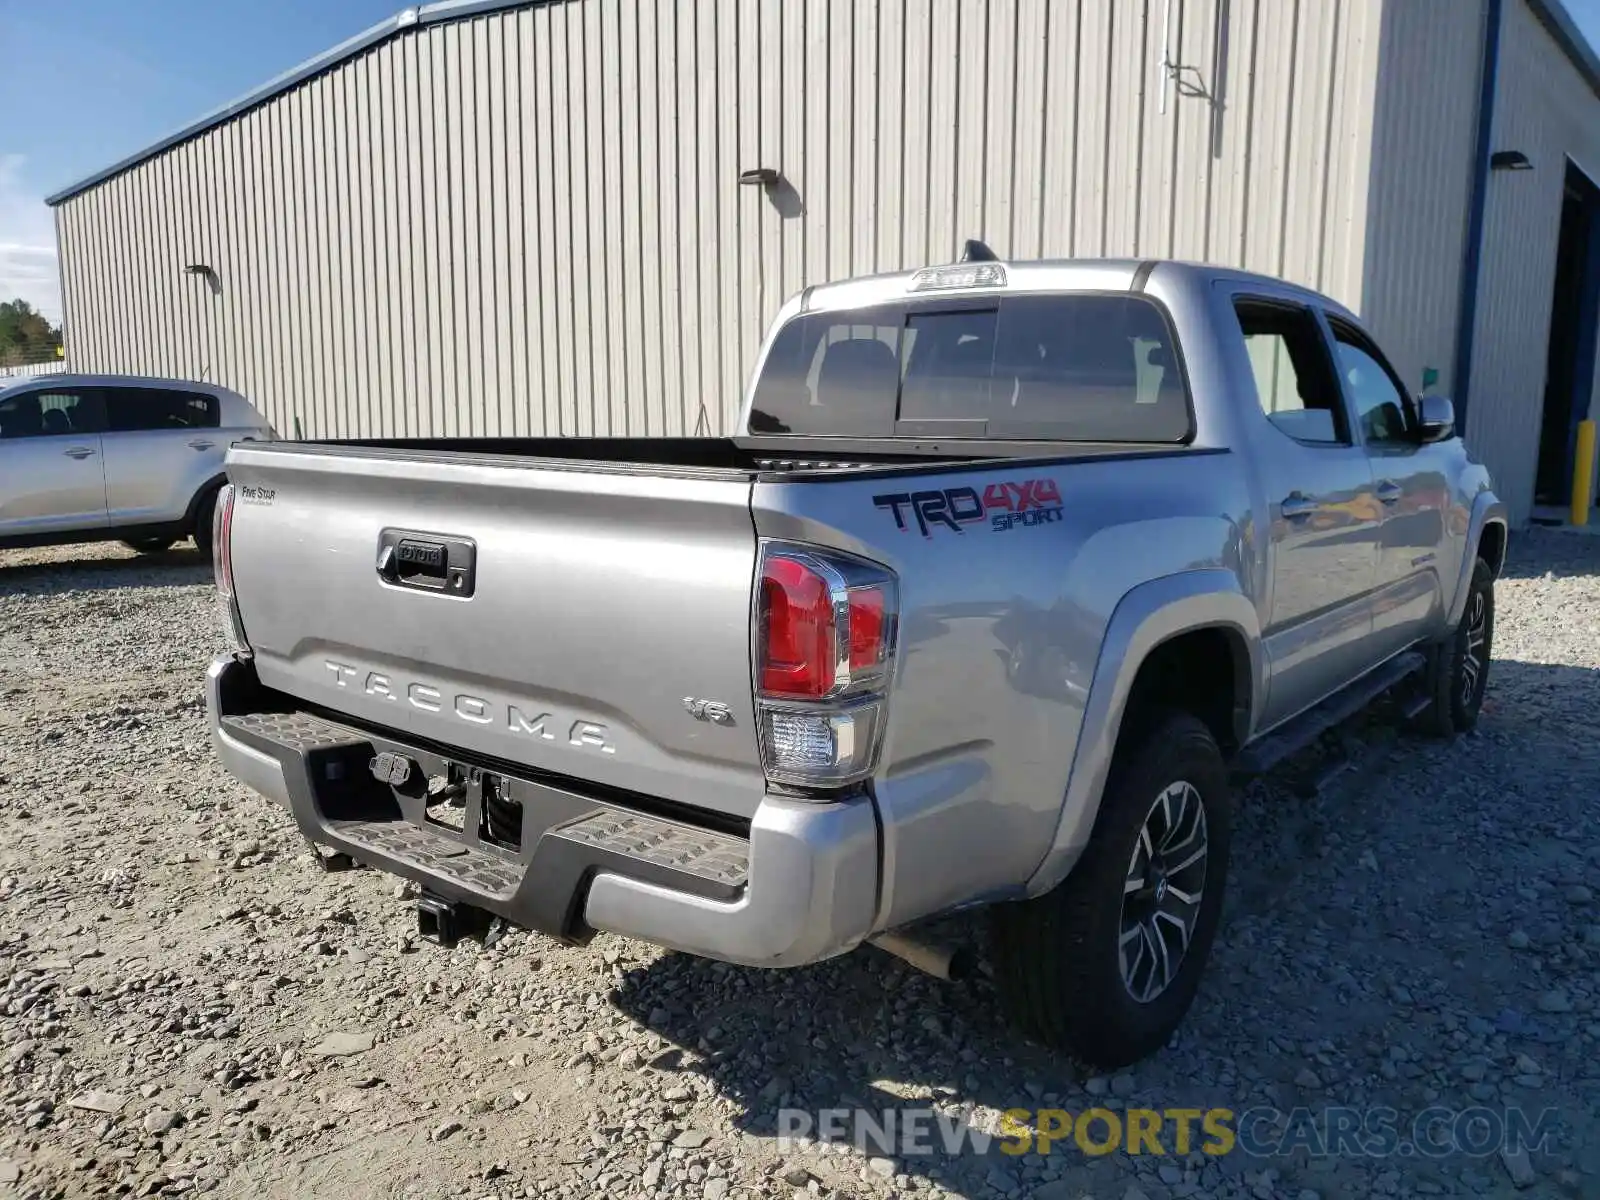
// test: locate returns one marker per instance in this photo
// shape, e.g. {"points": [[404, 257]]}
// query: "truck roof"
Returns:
{"points": [[62, 379], [1059, 274]]}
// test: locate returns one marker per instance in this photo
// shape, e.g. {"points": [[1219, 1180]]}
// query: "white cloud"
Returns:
{"points": [[28, 266]]}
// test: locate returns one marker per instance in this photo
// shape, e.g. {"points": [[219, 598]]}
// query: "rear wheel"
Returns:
{"points": [[1107, 964], [202, 522], [153, 545]]}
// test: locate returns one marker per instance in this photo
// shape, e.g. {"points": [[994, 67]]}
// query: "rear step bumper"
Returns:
{"points": [[801, 888]]}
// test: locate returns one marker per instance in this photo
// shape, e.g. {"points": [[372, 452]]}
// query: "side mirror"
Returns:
{"points": [[1437, 418]]}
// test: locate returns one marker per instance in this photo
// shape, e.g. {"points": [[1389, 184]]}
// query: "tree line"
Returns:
{"points": [[25, 335]]}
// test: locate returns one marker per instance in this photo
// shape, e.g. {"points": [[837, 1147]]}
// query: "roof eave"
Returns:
{"points": [[406, 18], [1553, 15]]}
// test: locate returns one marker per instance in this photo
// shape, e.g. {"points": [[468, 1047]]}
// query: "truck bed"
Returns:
{"points": [[570, 593]]}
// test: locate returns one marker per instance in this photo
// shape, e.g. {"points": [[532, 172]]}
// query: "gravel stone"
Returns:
{"points": [[343, 1045], [1518, 1167], [100, 1102], [163, 935], [159, 1121]]}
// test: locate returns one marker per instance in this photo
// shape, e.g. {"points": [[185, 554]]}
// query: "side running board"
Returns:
{"points": [[1266, 752]]}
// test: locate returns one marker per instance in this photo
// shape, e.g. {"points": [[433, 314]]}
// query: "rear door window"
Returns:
{"points": [[1083, 367], [51, 413], [132, 409]]}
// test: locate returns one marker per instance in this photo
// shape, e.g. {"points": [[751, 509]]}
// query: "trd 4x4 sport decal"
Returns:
{"points": [[1003, 505]]}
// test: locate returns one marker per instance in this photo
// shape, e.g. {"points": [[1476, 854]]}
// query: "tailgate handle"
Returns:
{"points": [[427, 562]]}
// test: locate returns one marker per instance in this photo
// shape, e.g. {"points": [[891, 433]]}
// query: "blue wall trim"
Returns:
{"points": [[1467, 315], [1554, 16]]}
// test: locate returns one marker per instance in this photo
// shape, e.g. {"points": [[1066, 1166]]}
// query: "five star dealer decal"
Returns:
{"points": [[1003, 505]]}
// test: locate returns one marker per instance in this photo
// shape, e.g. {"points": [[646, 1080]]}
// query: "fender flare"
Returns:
{"points": [[1487, 509], [1150, 614]]}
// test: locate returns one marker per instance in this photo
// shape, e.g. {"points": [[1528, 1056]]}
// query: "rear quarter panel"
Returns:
{"points": [[1001, 631]]}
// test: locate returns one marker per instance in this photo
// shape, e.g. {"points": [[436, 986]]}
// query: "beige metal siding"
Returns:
{"points": [[1546, 110], [529, 221], [1423, 143]]}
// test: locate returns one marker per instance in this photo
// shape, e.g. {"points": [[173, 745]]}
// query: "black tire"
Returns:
{"points": [[1458, 673], [202, 522], [1058, 958], [152, 545]]}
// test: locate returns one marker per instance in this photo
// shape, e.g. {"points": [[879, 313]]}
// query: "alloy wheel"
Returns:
{"points": [[1162, 891], [1472, 658]]}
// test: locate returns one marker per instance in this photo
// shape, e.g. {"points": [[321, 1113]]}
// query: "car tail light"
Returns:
{"points": [[800, 647], [222, 568], [825, 628]]}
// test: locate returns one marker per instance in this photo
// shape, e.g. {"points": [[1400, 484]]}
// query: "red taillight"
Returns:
{"points": [[222, 569], [869, 641], [799, 643], [221, 541], [825, 627]]}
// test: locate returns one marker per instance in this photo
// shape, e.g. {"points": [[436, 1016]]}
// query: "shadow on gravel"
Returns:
{"points": [[180, 567], [865, 1032], [1545, 553], [861, 1032]]}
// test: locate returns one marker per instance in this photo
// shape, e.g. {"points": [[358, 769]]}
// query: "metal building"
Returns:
{"points": [[484, 217]]}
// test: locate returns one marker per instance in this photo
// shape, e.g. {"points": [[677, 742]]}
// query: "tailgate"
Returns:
{"points": [[600, 600]]}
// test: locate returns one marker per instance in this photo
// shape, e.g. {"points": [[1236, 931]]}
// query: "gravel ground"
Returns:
{"points": [[187, 1004]]}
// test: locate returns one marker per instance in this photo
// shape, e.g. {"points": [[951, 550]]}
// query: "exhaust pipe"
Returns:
{"points": [[938, 961]]}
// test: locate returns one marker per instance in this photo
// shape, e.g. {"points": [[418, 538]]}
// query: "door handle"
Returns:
{"points": [[1389, 492], [79, 452], [1297, 506], [201, 444]]}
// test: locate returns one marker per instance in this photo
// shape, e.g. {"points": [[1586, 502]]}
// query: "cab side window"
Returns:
{"points": [[1295, 385], [51, 413], [131, 409], [1381, 405], [138, 408]]}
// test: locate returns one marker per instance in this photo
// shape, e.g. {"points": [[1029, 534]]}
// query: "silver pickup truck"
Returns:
{"points": [[1012, 569]]}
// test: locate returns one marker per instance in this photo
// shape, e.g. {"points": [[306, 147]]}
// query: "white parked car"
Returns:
{"points": [[87, 458]]}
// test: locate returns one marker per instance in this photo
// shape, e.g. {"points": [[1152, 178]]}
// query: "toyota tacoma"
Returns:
{"points": [[1012, 568]]}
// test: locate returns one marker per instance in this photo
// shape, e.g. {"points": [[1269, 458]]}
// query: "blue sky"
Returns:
{"points": [[86, 82]]}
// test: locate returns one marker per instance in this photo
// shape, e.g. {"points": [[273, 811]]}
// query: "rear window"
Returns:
{"points": [[132, 409], [1083, 368]]}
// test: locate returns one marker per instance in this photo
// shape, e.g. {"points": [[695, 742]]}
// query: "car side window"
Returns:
{"points": [[1294, 380], [1382, 408], [51, 413], [133, 409]]}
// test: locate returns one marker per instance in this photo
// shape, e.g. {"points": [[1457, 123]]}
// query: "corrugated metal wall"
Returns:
{"points": [[1423, 145], [1546, 110], [529, 221]]}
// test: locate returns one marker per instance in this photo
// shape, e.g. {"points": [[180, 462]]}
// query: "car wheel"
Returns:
{"points": [[1458, 674], [1106, 965], [148, 545], [202, 522]]}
